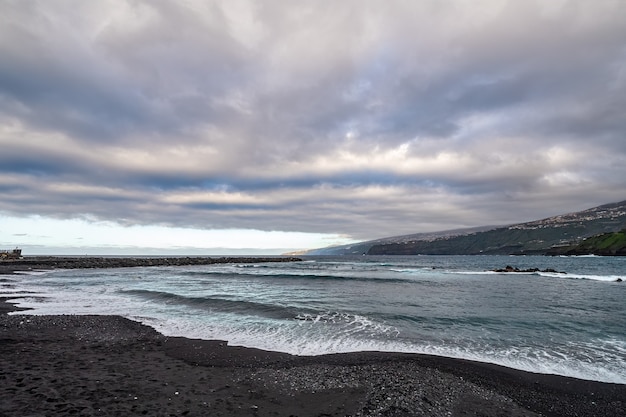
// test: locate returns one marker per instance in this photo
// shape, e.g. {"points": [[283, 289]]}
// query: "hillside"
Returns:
{"points": [[606, 244], [361, 248], [537, 237], [553, 234]]}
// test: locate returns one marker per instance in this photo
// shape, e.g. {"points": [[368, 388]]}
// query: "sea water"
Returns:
{"points": [[571, 324]]}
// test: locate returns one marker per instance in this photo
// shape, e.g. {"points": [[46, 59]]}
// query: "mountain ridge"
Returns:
{"points": [[534, 237]]}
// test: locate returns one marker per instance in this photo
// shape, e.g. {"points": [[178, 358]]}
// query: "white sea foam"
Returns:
{"points": [[19, 294], [604, 278], [411, 270], [284, 339], [33, 273]]}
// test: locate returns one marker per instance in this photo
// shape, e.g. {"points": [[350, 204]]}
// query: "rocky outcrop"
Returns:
{"points": [[509, 268]]}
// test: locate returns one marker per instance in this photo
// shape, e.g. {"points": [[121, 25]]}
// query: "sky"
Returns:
{"points": [[200, 126]]}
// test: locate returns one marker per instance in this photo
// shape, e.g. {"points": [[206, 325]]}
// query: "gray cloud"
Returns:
{"points": [[365, 118]]}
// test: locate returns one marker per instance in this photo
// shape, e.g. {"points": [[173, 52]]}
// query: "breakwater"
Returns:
{"points": [[35, 263]]}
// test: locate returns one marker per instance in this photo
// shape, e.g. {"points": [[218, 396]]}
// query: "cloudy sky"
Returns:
{"points": [[272, 125]]}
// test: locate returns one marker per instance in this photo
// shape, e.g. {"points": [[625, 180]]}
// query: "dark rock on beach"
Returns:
{"points": [[111, 366]]}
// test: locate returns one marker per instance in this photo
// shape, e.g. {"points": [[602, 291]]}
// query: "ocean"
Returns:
{"points": [[571, 324]]}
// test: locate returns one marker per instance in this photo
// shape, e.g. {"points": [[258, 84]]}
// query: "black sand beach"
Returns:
{"points": [[110, 366]]}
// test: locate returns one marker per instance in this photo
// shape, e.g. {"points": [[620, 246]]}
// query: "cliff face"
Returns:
{"points": [[538, 237]]}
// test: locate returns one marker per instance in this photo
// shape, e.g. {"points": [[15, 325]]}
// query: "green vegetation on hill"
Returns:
{"points": [[502, 241], [606, 244]]}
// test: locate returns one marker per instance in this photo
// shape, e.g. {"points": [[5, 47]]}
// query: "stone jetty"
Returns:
{"points": [[35, 263]]}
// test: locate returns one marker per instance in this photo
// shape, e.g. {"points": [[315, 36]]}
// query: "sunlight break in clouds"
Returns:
{"points": [[70, 235]]}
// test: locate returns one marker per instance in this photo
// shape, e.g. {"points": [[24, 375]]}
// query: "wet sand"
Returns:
{"points": [[109, 366]]}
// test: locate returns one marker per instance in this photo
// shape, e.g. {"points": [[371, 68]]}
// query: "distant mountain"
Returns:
{"points": [[536, 237], [606, 244], [362, 248]]}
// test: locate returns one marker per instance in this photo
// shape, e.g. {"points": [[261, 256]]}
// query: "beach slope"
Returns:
{"points": [[108, 365]]}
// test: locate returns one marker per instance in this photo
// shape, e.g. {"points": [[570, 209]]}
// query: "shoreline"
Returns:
{"points": [[109, 365], [34, 263]]}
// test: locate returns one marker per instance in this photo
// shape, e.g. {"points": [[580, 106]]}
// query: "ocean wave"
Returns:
{"points": [[610, 368], [349, 323], [38, 272], [328, 333], [241, 307], [603, 278], [317, 277], [294, 275], [412, 270]]}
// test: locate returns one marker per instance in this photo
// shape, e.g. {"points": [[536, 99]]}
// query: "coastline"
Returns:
{"points": [[109, 365]]}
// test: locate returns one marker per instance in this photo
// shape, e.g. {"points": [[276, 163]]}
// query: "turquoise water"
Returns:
{"points": [[570, 324]]}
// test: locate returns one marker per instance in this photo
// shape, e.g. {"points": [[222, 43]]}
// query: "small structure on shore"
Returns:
{"points": [[11, 254]]}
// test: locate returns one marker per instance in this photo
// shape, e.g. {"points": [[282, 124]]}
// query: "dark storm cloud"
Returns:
{"points": [[159, 79], [366, 118]]}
